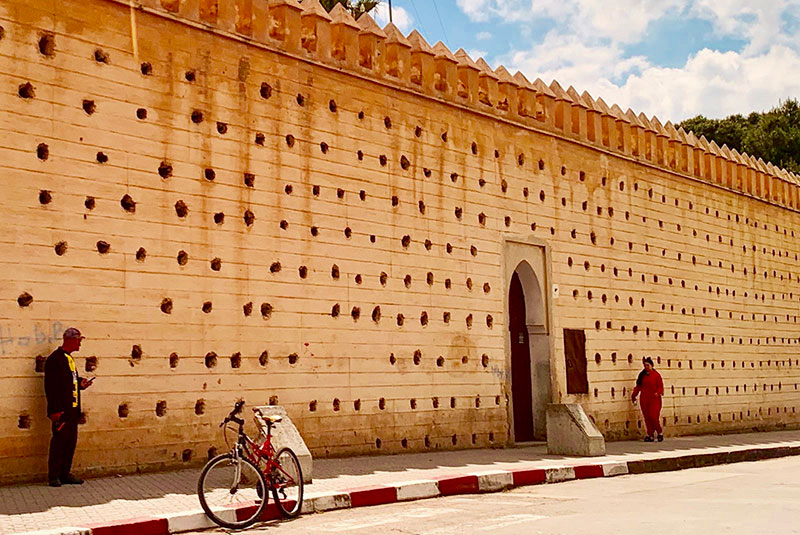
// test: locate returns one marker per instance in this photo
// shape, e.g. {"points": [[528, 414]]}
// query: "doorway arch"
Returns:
{"points": [[530, 353]]}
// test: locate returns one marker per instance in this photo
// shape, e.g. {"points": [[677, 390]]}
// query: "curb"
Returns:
{"points": [[450, 485]]}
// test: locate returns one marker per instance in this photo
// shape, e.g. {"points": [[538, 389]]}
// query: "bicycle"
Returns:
{"points": [[239, 482]]}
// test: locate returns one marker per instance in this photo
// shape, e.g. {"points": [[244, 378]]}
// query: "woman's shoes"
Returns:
{"points": [[661, 438], [648, 439]]}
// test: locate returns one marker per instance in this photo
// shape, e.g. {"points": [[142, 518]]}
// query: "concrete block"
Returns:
{"points": [[559, 473], [330, 501], [615, 469], [416, 490], [61, 531], [286, 435], [570, 432], [194, 520], [494, 480]]}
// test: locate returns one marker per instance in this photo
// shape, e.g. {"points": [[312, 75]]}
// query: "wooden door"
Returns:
{"points": [[575, 355], [521, 391]]}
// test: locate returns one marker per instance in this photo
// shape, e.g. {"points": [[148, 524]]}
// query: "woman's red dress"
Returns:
{"points": [[651, 390]]}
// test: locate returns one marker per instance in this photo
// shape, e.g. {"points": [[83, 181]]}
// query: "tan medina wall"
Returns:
{"points": [[204, 209]]}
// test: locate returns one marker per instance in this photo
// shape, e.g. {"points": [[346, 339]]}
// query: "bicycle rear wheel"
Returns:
{"points": [[231, 491], [287, 483]]}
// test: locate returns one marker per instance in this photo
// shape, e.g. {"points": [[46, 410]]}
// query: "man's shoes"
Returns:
{"points": [[648, 439], [661, 438], [54, 483], [71, 480]]}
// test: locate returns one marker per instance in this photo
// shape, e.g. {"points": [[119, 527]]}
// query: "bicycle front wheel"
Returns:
{"points": [[231, 491], [287, 483]]}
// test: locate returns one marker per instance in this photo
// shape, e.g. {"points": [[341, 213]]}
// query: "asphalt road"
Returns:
{"points": [[752, 498]]}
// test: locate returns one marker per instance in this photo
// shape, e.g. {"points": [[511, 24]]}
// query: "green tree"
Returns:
{"points": [[355, 7], [773, 136]]}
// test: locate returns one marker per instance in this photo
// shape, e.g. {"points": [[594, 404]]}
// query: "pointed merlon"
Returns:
{"points": [[522, 81], [312, 8], [714, 148], [504, 76], [601, 105], [658, 127], [617, 112], [587, 98], [762, 166], [646, 122], [368, 25], [559, 92], [691, 139], [703, 142], [726, 152], [339, 15], [442, 52], [419, 44], [682, 137], [631, 115], [660, 130], [576, 98], [465, 61], [541, 87], [394, 35], [669, 128], [485, 68]]}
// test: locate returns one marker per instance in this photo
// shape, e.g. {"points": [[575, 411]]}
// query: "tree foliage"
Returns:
{"points": [[355, 7], [773, 136]]}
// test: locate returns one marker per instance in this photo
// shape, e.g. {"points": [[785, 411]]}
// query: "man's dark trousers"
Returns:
{"points": [[62, 446]]}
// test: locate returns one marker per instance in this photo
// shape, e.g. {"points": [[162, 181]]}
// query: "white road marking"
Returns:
{"points": [[422, 512], [486, 524], [510, 520]]}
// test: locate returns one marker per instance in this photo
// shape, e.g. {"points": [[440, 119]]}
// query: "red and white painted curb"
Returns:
{"points": [[448, 485]]}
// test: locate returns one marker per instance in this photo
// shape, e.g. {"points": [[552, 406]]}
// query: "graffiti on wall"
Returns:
{"points": [[29, 335]]}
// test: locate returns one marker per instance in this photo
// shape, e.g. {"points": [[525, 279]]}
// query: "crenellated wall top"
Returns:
{"points": [[307, 30]]}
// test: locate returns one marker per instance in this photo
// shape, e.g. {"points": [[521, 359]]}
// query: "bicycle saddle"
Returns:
{"points": [[273, 418]]}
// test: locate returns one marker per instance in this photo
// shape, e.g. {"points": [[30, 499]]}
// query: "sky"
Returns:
{"points": [[671, 58]]}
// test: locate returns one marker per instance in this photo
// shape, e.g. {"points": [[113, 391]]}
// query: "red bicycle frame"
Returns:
{"points": [[265, 452]]}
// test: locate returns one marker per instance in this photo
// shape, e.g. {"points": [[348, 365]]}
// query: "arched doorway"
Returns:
{"points": [[521, 390], [530, 354]]}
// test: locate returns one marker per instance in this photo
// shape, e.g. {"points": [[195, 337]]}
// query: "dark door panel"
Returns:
{"points": [[521, 391]]}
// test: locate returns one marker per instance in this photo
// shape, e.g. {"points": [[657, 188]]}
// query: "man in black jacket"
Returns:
{"points": [[63, 386]]}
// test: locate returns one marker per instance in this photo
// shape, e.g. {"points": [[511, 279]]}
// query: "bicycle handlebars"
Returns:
{"points": [[232, 416]]}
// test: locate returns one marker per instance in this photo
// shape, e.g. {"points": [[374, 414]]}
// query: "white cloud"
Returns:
{"points": [[716, 84], [618, 20], [400, 17], [626, 21], [483, 36], [590, 45], [760, 23], [711, 83]]}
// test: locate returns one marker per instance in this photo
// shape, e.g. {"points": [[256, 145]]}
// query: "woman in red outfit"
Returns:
{"points": [[651, 387]]}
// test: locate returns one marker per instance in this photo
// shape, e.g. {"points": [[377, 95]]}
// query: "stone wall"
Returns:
{"points": [[247, 200]]}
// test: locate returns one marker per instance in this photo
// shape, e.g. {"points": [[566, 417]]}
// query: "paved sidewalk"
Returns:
{"points": [[339, 482]]}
